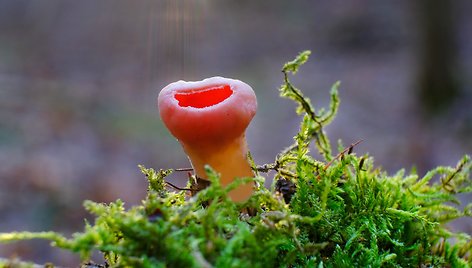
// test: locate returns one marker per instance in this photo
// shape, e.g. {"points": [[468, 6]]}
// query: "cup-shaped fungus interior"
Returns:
{"points": [[203, 97]]}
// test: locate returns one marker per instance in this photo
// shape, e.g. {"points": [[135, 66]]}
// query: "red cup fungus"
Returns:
{"points": [[209, 119]]}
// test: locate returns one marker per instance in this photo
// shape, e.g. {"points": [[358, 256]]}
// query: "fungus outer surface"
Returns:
{"points": [[203, 97], [207, 113]]}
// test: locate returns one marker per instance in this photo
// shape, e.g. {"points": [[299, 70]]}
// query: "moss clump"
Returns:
{"points": [[338, 211]]}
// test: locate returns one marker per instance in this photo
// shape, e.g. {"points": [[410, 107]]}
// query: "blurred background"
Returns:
{"points": [[79, 79]]}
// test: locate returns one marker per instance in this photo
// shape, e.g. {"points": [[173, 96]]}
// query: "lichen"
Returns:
{"points": [[337, 211]]}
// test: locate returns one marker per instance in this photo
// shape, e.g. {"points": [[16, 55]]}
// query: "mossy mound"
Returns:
{"points": [[338, 211]]}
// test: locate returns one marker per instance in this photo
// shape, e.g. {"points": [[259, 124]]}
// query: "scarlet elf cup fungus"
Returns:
{"points": [[209, 118]]}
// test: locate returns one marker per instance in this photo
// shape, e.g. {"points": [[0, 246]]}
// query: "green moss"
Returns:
{"points": [[341, 211]]}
